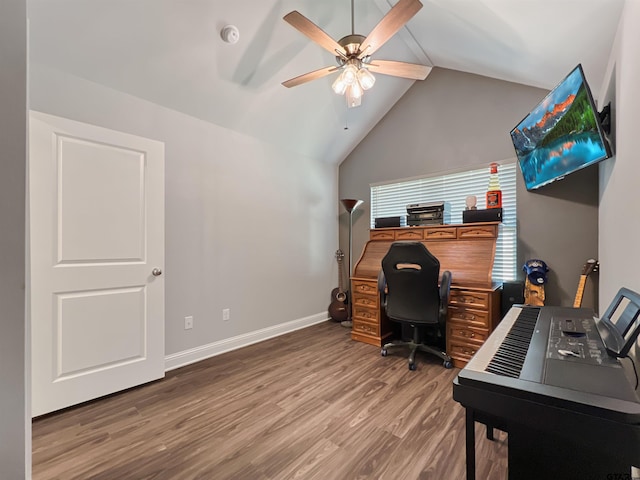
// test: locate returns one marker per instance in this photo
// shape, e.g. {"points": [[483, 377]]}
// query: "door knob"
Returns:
{"points": [[156, 272]]}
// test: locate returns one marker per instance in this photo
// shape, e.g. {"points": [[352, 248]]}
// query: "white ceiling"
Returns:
{"points": [[170, 52]]}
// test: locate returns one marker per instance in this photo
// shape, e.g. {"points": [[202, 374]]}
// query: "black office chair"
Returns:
{"points": [[408, 284]]}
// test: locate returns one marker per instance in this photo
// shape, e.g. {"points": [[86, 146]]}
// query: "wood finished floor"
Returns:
{"points": [[312, 404]]}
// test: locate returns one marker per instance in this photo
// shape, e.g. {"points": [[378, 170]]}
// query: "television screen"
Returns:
{"points": [[562, 133]]}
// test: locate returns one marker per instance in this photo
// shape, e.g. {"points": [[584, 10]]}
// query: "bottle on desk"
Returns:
{"points": [[494, 194]]}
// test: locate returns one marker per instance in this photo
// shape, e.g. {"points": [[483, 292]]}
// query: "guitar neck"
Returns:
{"points": [[580, 292], [340, 275]]}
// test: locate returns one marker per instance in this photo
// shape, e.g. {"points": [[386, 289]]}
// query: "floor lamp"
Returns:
{"points": [[350, 205]]}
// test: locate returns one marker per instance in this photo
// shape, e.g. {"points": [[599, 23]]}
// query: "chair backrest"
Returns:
{"points": [[411, 274]]}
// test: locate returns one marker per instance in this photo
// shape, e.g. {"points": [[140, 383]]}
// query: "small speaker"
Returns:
{"points": [[486, 215], [512, 294], [386, 222]]}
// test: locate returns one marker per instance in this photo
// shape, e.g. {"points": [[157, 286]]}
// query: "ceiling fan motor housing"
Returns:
{"points": [[351, 44]]}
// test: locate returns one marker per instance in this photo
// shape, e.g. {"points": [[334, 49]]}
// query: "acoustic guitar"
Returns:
{"points": [[338, 307], [588, 268]]}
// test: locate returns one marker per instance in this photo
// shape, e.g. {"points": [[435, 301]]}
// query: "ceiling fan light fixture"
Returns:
{"points": [[339, 86], [354, 96], [366, 78], [350, 74]]}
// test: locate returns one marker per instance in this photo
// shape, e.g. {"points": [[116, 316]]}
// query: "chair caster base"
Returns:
{"points": [[448, 364]]}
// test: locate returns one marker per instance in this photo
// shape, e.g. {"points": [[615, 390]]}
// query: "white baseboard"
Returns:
{"points": [[186, 357]]}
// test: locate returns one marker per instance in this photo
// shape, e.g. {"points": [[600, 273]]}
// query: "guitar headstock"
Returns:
{"points": [[339, 254], [590, 267]]}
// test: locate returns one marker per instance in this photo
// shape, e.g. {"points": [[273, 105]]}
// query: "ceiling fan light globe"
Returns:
{"points": [[339, 86], [355, 90], [350, 74], [352, 100], [366, 78]]}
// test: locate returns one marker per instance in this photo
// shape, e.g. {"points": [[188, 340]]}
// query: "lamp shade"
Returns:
{"points": [[350, 204]]}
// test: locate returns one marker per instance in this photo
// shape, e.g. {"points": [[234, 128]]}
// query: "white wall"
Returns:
{"points": [[249, 227], [619, 224], [15, 425]]}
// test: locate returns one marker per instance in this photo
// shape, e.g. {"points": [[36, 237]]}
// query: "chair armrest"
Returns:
{"points": [[382, 288], [445, 289]]}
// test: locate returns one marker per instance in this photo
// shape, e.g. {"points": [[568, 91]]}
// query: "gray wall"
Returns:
{"points": [[453, 121], [15, 430], [249, 227]]}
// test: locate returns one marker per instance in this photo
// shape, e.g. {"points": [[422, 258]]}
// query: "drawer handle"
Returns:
{"points": [[470, 300], [464, 333], [466, 316]]}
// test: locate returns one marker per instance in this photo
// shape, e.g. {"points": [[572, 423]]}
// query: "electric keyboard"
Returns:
{"points": [[544, 376]]}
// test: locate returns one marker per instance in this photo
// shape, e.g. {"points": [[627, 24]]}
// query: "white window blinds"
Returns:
{"points": [[391, 200]]}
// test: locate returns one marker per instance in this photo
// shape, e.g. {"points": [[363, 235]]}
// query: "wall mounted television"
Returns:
{"points": [[562, 134]]}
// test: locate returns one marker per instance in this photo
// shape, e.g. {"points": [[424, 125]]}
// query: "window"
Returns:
{"points": [[391, 200]]}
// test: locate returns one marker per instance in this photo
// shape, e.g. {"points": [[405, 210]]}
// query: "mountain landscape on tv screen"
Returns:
{"points": [[559, 136]]}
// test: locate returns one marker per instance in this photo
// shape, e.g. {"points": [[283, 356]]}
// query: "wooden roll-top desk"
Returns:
{"points": [[467, 251]]}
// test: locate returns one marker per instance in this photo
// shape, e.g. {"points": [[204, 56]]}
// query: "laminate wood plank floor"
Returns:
{"points": [[312, 404]]}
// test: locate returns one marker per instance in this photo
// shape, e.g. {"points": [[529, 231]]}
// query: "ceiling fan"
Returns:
{"points": [[353, 52]]}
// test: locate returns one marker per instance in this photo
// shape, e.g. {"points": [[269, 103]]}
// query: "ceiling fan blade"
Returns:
{"points": [[314, 32], [393, 21], [307, 77], [399, 69]]}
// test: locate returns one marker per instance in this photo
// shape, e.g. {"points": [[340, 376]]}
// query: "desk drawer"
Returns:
{"points": [[365, 301], [439, 233], [471, 318], [485, 231], [369, 314], [462, 350], [364, 287], [381, 234], [479, 300], [463, 332], [368, 328], [409, 234]]}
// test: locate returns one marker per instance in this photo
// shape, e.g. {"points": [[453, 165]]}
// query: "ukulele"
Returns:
{"points": [[338, 307], [588, 268]]}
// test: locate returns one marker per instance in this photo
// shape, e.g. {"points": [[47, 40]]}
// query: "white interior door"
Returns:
{"points": [[97, 234]]}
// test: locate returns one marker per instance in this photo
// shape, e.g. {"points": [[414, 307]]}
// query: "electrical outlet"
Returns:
{"points": [[226, 314], [188, 323]]}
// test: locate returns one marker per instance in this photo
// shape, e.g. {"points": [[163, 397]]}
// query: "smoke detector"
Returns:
{"points": [[230, 34]]}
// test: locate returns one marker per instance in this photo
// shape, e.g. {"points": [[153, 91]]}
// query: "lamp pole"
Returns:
{"points": [[350, 205]]}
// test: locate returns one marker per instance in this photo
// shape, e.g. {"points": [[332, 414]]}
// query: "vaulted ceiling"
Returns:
{"points": [[170, 52]]}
